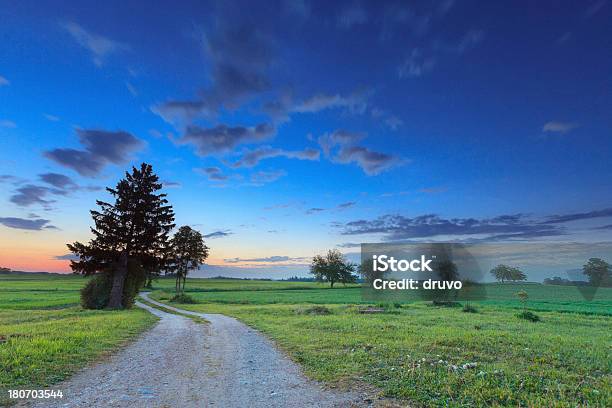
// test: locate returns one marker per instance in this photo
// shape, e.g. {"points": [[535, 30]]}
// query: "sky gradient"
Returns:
{"points": [[291, 127]]}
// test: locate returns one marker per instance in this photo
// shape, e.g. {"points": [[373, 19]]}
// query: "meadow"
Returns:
{"points": [[45, 336], [428, 355], [420, 354]]}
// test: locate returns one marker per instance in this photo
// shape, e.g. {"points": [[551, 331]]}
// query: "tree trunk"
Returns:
{"points": [[332, 284], [119, 275]]}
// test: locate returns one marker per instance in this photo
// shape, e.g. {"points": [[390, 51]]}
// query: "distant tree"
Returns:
{"points": [[188, 252], [130, 235], [508, 273], [447, 270], [598, 271], [333, 267]]}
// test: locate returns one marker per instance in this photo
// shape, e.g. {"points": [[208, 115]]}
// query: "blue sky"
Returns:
{"points": [[291, 127]]}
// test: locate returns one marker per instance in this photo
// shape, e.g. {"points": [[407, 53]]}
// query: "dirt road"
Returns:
{"points": [[181, 363]]}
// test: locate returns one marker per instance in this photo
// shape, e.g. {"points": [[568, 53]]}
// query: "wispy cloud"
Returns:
{"points": [[558, 127], [99, 46], [51, 118], [395, 227], [252, 158], [341, 147], [4, 81], [264, 177], [416, 64], [7, 124], [218, 234], [26, 224], [352, 15], [213, 173], [223, 138], [268, 259]]}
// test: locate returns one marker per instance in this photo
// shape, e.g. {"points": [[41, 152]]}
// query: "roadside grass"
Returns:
{"points": [[44, 342], [438, 356], [541, 297]]}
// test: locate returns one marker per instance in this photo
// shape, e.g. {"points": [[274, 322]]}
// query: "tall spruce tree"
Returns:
{"points": [[134, 228]]}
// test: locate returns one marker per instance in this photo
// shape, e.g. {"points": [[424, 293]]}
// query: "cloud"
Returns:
{"points": [[58, 180], [397, 227], [8, 124], [558, 127], [594, 8], [314, 210], [416, 64], [171, 184], [66, 257], [6, 178], [213, 173], [51, 118], [391, 121], [433, 190], [32, 194], [338, 137], [352, 15], [349, 245], [131, 88], [469, 40], [4, 81], [264, 177], [223, 138], [346, 205], [101, 148], [371, 162], [252, 158], [604, 227], [218, 234], [239, 50], [558, 219], [26, 224], [354, 103], [269, 259], [99, 46]]}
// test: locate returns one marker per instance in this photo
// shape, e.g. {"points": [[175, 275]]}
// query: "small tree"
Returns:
{"points": [[598, 272], [332, 268], [523, 296], [508, 273], [188, 252]]}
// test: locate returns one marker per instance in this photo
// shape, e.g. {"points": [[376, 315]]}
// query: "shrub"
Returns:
{"points": [[527, 315], [95, 294], [183, 298], [469, 309], [315, 310], [445, 303]]}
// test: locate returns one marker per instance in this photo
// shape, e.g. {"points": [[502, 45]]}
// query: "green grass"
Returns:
{"points": [[48, 337], [410, 351], [541, 297]]}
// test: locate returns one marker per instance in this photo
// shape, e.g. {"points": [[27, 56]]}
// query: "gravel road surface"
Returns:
{"points": [[182, 363]]}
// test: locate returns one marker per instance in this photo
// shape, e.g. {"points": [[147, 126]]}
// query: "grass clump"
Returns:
{"points": [[183, 299], [527, 315], [314, 310], [469, 309]]}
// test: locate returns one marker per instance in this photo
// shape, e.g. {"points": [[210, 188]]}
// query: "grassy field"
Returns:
{"points": [[45, 336], [433, 356], [425, 355]]}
